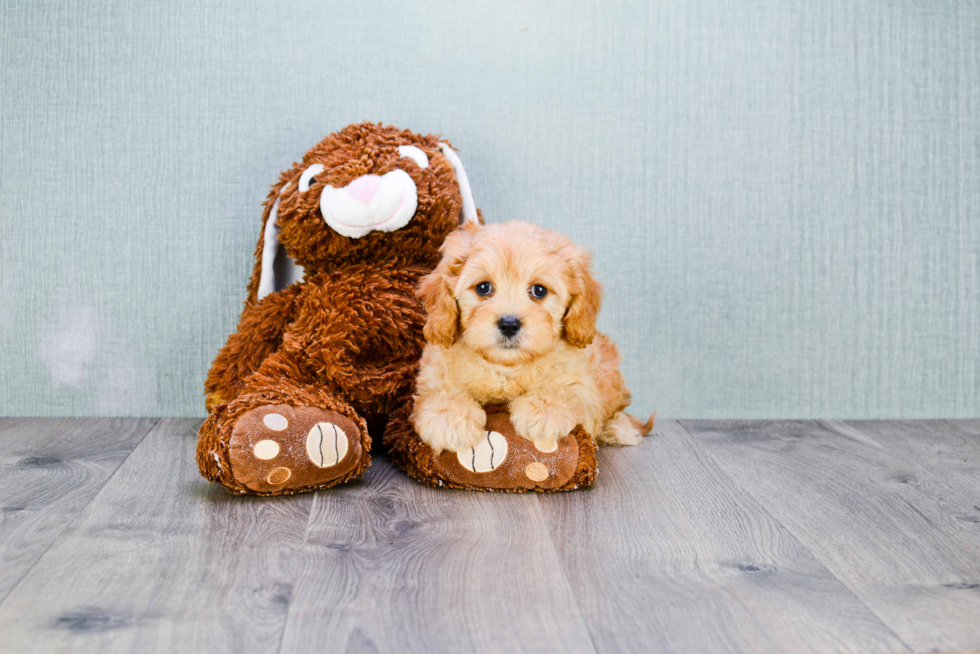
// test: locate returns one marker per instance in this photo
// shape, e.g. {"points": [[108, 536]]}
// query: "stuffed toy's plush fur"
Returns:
{"points": [[329, 340]]}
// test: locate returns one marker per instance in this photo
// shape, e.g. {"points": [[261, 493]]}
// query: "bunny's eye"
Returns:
{"points": [[416, 155], [308, 177]]}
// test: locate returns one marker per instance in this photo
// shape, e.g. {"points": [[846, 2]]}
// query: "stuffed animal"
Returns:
{"points": [[330, 337], [502, 461]]}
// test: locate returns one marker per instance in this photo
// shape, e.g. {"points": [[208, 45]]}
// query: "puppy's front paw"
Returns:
{"points": [[449, 424], [541, 421]]}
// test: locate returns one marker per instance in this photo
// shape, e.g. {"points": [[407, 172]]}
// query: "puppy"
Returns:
{"points": [[512, 320]]}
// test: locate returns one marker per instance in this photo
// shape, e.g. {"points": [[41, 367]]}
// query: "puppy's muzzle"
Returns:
{"points": [[509, 326]]}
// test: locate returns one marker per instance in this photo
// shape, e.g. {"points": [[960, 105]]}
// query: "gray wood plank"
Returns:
{"points": [[49, 470], [879, 521], [971, 426], [395, 566], [668, 554], [162, 560], [949, 449]]}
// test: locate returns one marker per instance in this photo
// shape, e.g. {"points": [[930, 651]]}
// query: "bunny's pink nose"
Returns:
{"points": [[364, 188]]}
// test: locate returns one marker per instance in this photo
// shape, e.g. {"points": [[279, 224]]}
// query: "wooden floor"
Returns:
{"points": [[709, 537]]}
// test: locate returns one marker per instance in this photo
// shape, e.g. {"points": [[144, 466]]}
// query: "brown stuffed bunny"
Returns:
{"points": [[316, 363]]}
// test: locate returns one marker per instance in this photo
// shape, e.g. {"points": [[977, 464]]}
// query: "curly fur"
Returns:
{"points": [[555, 374]]}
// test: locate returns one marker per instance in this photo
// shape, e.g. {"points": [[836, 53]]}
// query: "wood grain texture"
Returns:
{"points": [[49, 470], [883, 523], [971, 426], [761, 537], [948, 450], [163, 561], [667, 553], [394, 566]]}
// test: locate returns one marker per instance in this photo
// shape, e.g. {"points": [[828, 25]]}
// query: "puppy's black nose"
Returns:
{"points": [[509, 326]]}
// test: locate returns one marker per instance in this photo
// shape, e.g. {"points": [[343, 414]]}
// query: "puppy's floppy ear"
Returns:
{"points": [[586, 298], [436, 289]]}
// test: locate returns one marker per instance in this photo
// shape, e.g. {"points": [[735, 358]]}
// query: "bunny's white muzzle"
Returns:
{"points": [[370, 203]]}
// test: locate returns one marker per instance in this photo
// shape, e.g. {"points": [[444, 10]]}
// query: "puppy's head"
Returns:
{"points": [[511, 292]]}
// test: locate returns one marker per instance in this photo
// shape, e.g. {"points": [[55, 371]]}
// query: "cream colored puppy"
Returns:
{"points": [[512, 320]]}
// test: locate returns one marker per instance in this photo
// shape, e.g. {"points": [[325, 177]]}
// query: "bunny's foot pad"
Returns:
{"points": [[278, 449], [503, 461]]}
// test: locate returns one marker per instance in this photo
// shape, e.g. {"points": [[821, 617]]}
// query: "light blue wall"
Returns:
{"points": [[783, 197]]}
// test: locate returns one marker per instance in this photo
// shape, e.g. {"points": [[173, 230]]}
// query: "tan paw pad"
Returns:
{"points": [[536, 471], [279, 476], [546, 446], [275, 421], [266, 450]]}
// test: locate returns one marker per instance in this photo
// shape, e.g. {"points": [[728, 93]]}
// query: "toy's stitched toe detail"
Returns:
{"points": [[279, 476], [266, 450], [536, 471], [487, 455], [547, 446], [326, 444], [275, 421]]}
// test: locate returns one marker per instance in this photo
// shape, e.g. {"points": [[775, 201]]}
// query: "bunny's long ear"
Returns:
{"points": [[274, 269], [468, 212]]}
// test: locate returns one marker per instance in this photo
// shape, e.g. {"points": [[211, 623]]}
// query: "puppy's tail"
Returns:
{"points": [[643, 427]]}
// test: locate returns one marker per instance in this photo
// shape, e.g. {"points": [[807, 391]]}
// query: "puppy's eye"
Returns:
{"points": [[538, 292], [308, 177], [484, 289]]}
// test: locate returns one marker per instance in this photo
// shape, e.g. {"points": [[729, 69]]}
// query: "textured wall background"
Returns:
{"points": [[783, 197]]}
